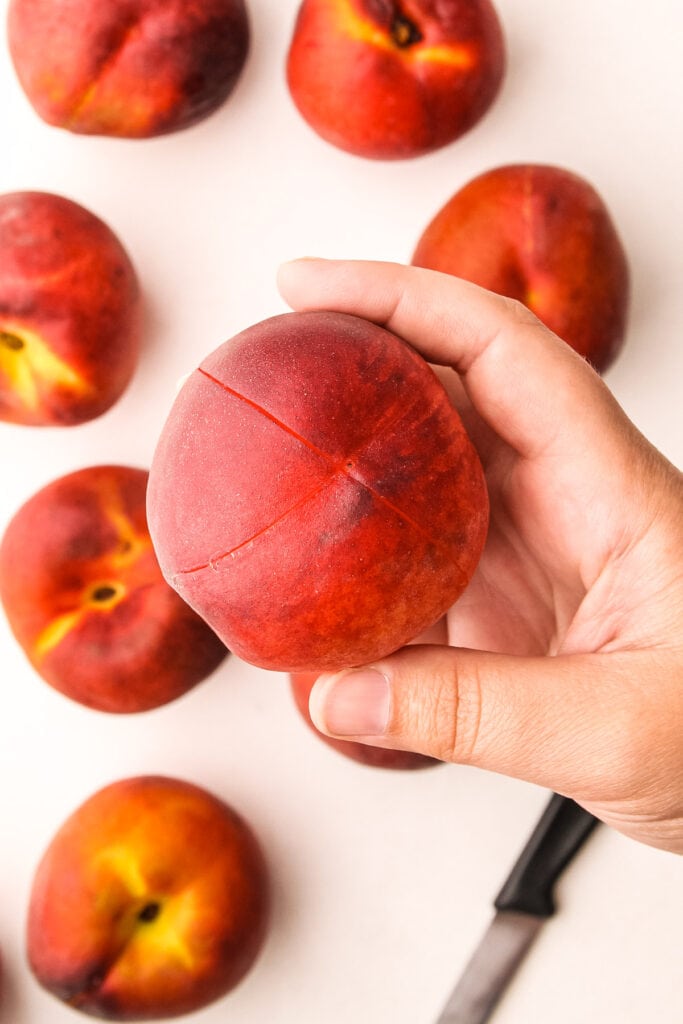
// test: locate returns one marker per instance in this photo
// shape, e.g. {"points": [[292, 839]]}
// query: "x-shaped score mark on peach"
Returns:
{"points": [[314, 495]]}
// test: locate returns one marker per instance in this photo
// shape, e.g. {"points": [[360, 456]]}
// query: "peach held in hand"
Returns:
{"points": [[150, 901], [131, 68], [314, 495], [301, 684], [542, 235], [69, 312], [394, 78], [86, 600]]}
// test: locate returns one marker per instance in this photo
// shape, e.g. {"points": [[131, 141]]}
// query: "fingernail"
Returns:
{"points": [[352, 704], [301, 259]]}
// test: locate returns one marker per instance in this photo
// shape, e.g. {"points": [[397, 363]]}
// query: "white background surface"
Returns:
{"points": [[382, 881]]}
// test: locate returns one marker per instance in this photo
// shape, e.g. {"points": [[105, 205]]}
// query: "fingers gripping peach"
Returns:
{"points": [[150, 901], [314, 495], [542, 235], [69, 312], [128, 68], [85, 597]]}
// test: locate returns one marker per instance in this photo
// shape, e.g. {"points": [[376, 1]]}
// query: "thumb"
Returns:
{"points": [[574, 723]]}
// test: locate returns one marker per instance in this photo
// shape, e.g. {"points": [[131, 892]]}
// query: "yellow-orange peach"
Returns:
{"points": [[69, 312], [130, 68], [150, 901], [86, 600], [314, 495], [396, 78], [543, 235]]}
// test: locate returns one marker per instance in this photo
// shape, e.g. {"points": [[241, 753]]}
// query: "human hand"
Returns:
{"points": [[564, 663]]}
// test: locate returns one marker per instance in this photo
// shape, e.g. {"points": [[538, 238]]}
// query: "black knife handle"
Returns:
{"points": [[561, 831]]}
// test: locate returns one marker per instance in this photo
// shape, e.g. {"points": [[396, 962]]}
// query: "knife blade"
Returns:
{"points": [[524, 903]]}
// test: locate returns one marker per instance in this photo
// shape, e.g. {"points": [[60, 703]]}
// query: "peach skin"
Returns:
{"points": [[542, 235], [130, 68], [314, 495], [391, 79], [69, 312], [150, 901], [86, 600]]}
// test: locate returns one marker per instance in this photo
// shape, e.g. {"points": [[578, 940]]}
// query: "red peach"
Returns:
{"points": [[69, 312], [151, 901], [134, 69], [398, 78], [314, 495], [544, 236], [301, 684], [86, 600]]}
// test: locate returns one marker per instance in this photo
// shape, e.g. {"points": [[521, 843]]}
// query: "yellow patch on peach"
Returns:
{"points": [[157, 938], [164, 937], [99, 597], [132, 543], [119, 861], [26, 360], [542, 296], [454, 56], [103, 594], [55, 632], [365, 31]]}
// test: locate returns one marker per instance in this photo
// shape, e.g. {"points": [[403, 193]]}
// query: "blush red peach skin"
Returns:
{"points": [[314, 495]]}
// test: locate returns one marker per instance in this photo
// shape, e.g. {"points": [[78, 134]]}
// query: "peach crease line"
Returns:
{"points": [[259, 533], [105, 66], [338, 468]]}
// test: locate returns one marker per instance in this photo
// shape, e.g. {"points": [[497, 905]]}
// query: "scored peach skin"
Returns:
{"points": [[86, 600], [131, 69], [314, 495], [543, 235], [394, 79], [150, 901], [301, 684], [69, 312]]}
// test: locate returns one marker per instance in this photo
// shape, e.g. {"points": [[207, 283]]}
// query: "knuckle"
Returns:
{"points": [[518, 312], [444, 713]]}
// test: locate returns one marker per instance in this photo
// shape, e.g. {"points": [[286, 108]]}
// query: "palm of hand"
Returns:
{"points": [[563, 563]]}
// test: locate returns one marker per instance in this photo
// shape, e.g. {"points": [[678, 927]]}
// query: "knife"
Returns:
{"points": [[522, 905]]}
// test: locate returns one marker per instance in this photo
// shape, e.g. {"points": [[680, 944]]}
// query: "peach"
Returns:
{"points": [[543, 235], [69, 312], [314, 495], [150, 901], [301, 684], [394, 79], [86, 600], [132, 68]]}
